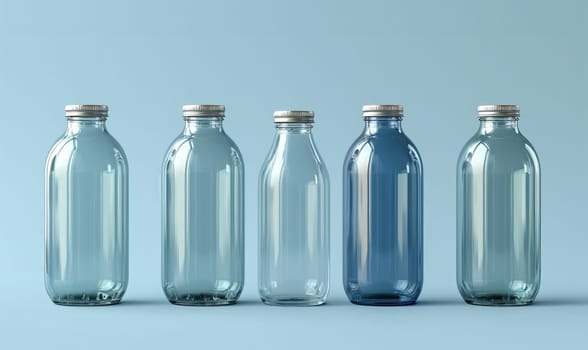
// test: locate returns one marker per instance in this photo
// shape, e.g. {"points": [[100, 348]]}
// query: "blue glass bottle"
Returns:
{"points": [[498, 212], [293, 264], [86, 212], [383, 213], [203, 222]]}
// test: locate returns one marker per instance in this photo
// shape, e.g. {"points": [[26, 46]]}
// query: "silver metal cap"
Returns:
{"points": [[498, 111], [383, 111], [86, 111], [203, 110], [294, 116]]}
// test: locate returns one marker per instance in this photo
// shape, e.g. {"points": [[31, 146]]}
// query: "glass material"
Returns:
{"points": [[383, 216], [498, 216], [86, 215], [293, 220], [203, 223]]}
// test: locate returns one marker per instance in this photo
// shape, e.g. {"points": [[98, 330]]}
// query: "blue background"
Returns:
{"points": [[440, 59]]}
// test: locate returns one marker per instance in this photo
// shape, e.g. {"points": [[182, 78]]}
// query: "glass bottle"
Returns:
{"points": [[293, 216], [383, 213], [498, 213], [86, 212], [203, 222]]}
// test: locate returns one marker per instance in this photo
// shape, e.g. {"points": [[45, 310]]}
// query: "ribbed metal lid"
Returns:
{"points": [[294, 116], [86, 111], [383, 111], [498, 111], [203, 110]]}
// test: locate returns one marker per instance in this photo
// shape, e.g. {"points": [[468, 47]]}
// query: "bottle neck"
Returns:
{"points": [[383, 124], [287, 129], [77, 125], [293, 136], [195, 125], [499, 125]]}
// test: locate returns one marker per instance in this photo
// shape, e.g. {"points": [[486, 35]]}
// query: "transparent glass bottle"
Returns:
{"points": [[203, 223], [498, 213], [293, 216], [86, 212], [383, 213]]}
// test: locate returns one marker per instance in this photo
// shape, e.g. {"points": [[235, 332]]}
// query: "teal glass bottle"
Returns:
{"points": [[498, 212], [86, 212], [383, 212], [203, 222], [293, 263]]}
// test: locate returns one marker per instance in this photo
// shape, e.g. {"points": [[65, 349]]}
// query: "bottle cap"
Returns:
{"points": [[294, 116], [86, 111], [383, 111], [203, 110], [498, 111]]}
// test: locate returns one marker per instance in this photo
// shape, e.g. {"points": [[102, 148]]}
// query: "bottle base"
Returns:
{"points": [[201, 300], [84, 300], [498, 300], [383, 300], [293, 301]]}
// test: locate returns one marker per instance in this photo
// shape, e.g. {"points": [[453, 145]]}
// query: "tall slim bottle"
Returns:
{"points": [[498, 212], [293, 216], [383, 213], [203, 223], [86, 212]]}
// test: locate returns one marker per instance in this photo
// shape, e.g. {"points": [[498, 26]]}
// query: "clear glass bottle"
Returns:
{"points": [[203, 223], [498, 213], [383, 213], [86, 212], [293, 216]]}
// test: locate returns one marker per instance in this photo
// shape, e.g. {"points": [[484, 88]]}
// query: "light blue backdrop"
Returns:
{"points": [[438, 58]]}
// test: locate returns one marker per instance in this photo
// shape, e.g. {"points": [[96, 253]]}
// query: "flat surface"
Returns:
{"points": [[440, 59], [442, 321]]}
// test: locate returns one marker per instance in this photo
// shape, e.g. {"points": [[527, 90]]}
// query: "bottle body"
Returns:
{"points": [[383, 216], [498, 216], [86, 216], [293, 221], [203, 223]]}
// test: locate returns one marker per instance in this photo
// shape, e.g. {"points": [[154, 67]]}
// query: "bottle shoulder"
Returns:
{"points": [[397, 141], [511, 151], [516, 143], [298, 161], [397, 148], [219, 149], [219, 139], [80, 155], [92, 145]]}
